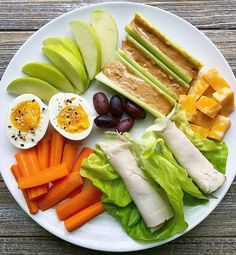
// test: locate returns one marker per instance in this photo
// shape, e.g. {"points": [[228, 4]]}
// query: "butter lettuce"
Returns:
{"points": [[159, 165], [158, 160], [215, 152], [164, 173], [98, 169]]}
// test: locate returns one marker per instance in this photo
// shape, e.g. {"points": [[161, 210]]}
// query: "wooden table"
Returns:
{"points": [[18, 233]]}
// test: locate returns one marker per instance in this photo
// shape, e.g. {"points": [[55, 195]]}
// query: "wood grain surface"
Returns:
{"points": [[21, 235]]}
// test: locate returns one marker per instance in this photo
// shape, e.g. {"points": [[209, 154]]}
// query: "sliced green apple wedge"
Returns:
{"points": [[34, 86], [69, 65], [107, 32], [128, 81], [65, 42], [171, 54], [48, 73], [89, 46]]}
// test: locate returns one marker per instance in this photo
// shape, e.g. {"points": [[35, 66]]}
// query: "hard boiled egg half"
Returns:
{"points": [[26, 121], [71, 115]]}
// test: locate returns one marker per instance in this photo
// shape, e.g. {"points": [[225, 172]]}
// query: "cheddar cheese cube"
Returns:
{"points": [[202, 120], [209, 92], [216, 81], [188, 103], [227, 108], [223, 96], [208, 106], [200, 131], [198, 88], [219, 128]]}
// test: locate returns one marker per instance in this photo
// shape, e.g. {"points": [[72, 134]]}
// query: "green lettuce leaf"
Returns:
{"points": [[118, 202], [150, 141], [164, 172], [136, 228], [98, 169], [193, 201], [215, 152]]}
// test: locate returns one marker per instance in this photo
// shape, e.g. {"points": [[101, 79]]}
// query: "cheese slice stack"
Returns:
{"points": [[216, 81], [201, 131], [208, 103], [198, 87], [219, 128], [208, 106], [188, 102]]}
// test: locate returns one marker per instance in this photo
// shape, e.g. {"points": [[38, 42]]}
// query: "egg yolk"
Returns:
{"points": [[73, 119], [25, 116]]}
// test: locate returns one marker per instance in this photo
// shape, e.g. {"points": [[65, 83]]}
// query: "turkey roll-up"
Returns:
{"points": [[153, 207]]}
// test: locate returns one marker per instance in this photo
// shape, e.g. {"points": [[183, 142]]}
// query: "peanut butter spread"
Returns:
{"points": [[146, 31], [126, 80], [131, 50]]}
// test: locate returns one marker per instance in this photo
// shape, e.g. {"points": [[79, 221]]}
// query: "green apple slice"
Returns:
{"points": [[67, 43], [48, 73], [69, 65], [89, 46], [107, 32], [34, 86]]}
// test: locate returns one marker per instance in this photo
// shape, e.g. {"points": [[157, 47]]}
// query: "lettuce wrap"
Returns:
{"points": [[164, 173], [215, 152]]}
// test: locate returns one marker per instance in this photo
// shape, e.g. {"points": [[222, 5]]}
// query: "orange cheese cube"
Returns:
{"points": [[200, 131], [208, 106], [198, 88], [202, 120], [188, 103], [216, 81], [227, 108], [223, 96], [219, 128], [209, 92]]}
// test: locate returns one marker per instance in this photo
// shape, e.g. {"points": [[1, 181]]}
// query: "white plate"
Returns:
{"points": [[104, 232]]}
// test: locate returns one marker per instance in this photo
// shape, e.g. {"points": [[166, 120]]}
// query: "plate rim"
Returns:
{"points": [[142, 245]]}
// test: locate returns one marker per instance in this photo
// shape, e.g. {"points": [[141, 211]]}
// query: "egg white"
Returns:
{"points": [[26, 140], [58, 102]]}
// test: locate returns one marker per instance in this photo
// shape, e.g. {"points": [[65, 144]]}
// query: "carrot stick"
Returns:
{"points": [[60, 191], [56, 148], [43, 149], [86, 184], [28, 163], [83, 216], [78, 202], [32, 205], [16, 171], [85, 152], [69, 155], [42, 177], [75, 192]]}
